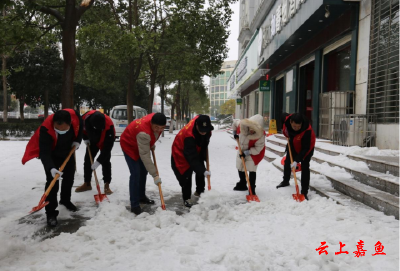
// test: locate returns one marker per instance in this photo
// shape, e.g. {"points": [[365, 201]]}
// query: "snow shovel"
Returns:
{"points": [[159, 185], [100, 197], [208, 169], [42, 202], [250, 197], [297, 197]]}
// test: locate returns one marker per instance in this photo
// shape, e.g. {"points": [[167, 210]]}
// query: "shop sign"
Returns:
{"points": [[238, 101], [283, 13], [264, 85], [241, 69], [232, 82]]}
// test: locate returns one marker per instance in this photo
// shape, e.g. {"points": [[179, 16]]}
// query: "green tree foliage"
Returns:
{"points": [[35, 76]]}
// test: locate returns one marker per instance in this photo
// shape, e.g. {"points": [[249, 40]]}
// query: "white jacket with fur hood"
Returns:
{"points": [[254, 123]]}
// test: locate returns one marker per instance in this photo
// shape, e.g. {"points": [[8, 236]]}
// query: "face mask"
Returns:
{"points": [[60, 132]]}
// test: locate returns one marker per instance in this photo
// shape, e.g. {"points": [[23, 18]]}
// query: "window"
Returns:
{"points": [[383, 83], [121, 114], [212, 103], [216, 96], [212, 96], [222, 82], [216, 89], [228, 73], [338, 69]]}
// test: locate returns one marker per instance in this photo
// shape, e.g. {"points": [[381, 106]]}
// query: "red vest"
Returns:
{"points": [[177, 147], [297, 138], [258, 157], [128, 139], [109, 123], [32, 148]]}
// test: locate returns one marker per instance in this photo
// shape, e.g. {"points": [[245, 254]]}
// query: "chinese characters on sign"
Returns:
{"points": [[360, 252]]}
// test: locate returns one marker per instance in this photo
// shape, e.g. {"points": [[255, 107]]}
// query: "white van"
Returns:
{"points": [[119, 116]]}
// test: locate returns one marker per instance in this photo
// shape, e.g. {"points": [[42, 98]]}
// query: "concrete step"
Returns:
{"points": [[329, 192], [370, 196], [382, 164], [380, 181]]}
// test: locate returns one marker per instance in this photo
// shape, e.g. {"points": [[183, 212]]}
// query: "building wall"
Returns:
{"points": [[387, 136], [363, 56], [218, 98]]}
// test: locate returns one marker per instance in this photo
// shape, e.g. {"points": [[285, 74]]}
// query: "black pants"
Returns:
{"points": [[305, 172], [252, 180], [185, 181], [66, 184], [106, 165]]}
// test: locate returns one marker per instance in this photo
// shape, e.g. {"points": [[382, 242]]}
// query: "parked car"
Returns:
{"points": [[119, 116], [169, 124]]}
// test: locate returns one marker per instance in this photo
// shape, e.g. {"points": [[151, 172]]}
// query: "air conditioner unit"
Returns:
{"points": [[355, 131]]}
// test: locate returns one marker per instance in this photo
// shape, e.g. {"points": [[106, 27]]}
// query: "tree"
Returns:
{"points": [[34, 74], [228, 108], [64, 18]]}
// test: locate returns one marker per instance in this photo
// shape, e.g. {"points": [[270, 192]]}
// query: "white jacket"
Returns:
{"points": [[255, 123]]}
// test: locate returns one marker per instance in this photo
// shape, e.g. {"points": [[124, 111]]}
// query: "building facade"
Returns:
{"points": [[218, 88], [322, 58]]}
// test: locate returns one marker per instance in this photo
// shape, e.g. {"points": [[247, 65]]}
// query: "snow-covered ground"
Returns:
{"points": [[222, 232]]}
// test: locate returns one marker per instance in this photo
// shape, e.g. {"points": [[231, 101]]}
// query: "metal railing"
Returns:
{"points": [[355, 130], [331, 104]]}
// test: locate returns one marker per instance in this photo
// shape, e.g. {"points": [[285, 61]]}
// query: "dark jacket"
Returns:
{"points": [[305, 141], [63, 146], [94, 136], [195, 159]]}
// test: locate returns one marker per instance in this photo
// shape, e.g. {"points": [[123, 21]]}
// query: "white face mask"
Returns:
{"points": [[60, 132]]}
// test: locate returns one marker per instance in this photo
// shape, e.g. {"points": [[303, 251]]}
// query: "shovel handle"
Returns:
{"points": [[208, 169], [94, 171], [245, 169], [53, 182], [159, 185], [293, 169]]}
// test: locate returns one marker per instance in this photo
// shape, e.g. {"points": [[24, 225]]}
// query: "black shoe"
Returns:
{"points": [[52, 219], [305, 196], [146, 200], [282, 184], [188, 203], [240, 187], [69, 205], [136, 210]]}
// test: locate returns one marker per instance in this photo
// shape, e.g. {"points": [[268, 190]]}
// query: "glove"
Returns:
{"points": [[207, 173], [242, 155], [54, 171], [157, 180], [294, 165], [76, 144], [236, 136], [246, 152], [153, 148], [95, 165], [87, 142]]}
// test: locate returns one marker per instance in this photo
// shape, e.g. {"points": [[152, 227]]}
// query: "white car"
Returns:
{"points": [[169, 124], [119, 116]]}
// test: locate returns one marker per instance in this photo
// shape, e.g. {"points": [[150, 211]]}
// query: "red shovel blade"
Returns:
{"points": [[163, 207], [100, 197], [39, 207], [209, 187], [252, 198], [298, 197]]}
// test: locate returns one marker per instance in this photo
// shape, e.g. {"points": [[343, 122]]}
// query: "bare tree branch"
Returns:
{"points": [[83, 7]]}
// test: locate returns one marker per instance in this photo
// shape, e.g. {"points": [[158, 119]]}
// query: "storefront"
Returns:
{"points": [[306, 48]]}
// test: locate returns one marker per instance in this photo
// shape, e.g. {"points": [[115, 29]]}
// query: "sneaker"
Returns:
{"points": [[146, 200], [84, 187], [136, 210], [69, 205], [282, 184], [107, 189], [187, 203], [52, 219], [197, 194], [240, 187]]}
